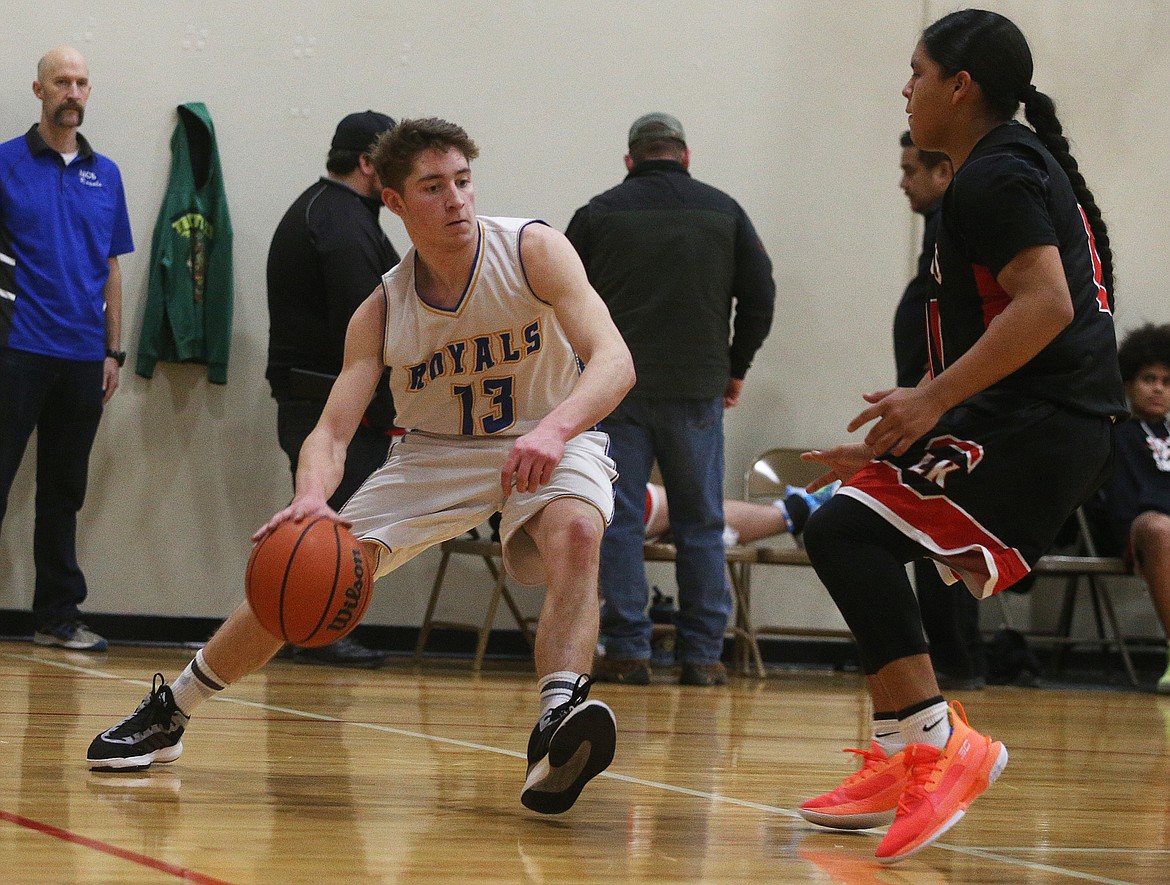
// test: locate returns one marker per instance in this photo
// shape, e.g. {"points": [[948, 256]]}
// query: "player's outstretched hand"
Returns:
{"points": [[842, 461], [301, 508], [532, 460], [903, 415]]}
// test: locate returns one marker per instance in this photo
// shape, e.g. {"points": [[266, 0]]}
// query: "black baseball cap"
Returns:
{"points": [[359, 131]]}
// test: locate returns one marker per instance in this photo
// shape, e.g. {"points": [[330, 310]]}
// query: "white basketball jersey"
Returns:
{"points": [[494, 365]]}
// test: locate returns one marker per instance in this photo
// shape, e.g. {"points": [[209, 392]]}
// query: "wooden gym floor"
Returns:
{"points": [[311, 774]]}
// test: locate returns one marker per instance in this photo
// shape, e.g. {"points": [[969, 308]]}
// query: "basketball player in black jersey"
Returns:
{"points": [[979, 465]]}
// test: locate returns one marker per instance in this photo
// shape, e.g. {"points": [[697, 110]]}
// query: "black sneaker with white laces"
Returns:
{"points": [[152, 733], [569, 746]]}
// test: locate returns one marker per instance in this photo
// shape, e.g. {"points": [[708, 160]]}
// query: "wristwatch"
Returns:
{"points": [[118, 356]]}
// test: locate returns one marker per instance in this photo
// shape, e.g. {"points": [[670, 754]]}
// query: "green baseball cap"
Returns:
{"points": [[656, 125]]}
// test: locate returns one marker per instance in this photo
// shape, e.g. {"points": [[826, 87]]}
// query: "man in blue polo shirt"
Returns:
{"points": [[63, 224]]}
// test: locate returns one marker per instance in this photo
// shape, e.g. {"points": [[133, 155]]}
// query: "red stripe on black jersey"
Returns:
{"points": [[995, 299], [934, 338], [1098, 273], [952, 536]]}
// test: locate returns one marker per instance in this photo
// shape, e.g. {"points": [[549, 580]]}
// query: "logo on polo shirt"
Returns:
{"points": [[88, 178]]}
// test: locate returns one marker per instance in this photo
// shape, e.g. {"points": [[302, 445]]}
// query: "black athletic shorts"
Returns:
{"points": [[987, 491]]}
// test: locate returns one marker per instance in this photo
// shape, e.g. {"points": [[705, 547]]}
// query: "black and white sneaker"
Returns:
{"points": [[152, 733], [574, 745]]}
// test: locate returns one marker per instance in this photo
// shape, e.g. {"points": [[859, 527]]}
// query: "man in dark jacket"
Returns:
{"points": [[950, 614], [671, 257], [327, 255]]}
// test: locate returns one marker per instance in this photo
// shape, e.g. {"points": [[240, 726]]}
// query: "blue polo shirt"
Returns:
{"points": [[59, 226]]}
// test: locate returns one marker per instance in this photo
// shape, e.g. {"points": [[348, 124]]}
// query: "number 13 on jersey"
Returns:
{"points": [[500, 396]]}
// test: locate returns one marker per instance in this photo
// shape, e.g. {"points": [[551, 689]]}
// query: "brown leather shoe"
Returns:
{"points": [[705, 675], [635, 671]]}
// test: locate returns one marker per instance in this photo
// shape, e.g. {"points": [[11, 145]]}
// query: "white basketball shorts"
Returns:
{"points": [[433, 488]]}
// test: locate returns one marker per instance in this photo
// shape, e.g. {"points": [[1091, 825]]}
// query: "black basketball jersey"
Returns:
{"points": [[1009, 195], [910, 354]]}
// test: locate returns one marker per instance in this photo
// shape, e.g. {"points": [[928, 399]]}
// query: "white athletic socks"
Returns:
{"points": [[195, 684], [930, 725], [887, 734], [556, 689]]}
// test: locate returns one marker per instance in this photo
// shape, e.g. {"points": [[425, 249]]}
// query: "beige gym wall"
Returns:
{"points": [[792, 107]]}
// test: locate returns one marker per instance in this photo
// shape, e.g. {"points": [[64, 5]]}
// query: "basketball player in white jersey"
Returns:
{"points": [[503, 358]]}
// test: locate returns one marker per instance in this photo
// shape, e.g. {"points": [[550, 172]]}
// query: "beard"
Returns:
{"points": [[60, 118]]}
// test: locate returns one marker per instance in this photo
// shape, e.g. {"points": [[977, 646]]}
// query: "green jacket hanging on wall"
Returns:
{"points": [[188, 314]]}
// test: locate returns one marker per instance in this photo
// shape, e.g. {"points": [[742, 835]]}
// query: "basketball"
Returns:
{"points": [[309, 583]]}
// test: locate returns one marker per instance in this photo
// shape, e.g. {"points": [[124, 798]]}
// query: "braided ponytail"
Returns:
{"points": [[1040, 111], [996, 54]]}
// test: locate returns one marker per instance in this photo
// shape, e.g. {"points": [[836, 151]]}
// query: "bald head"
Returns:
{"points": [[62, 56], [62, 86]]}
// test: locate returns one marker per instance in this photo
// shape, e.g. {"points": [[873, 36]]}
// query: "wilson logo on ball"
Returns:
{"points": [[309, 583], [356, 596]]}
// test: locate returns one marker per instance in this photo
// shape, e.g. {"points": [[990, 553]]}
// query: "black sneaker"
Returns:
{"points": [[344, 652], [574, 745], [152, 733]]}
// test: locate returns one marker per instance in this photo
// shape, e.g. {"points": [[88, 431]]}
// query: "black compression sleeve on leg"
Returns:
{"points": [[798, 512], [860, 558]]}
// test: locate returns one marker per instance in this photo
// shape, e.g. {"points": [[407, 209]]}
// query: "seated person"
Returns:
{"points": [[744, 521], [1132, 510]]}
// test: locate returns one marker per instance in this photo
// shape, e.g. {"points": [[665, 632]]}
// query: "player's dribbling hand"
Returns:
{"points": [[842, 461], [531, 462], [904, 415], [300, 509]]}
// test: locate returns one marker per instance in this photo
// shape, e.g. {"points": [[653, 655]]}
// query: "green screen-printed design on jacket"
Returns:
{"points": [[188, 313]]}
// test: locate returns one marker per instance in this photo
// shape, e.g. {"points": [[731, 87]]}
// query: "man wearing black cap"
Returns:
{"points": [[670, 256], [327, 255]]}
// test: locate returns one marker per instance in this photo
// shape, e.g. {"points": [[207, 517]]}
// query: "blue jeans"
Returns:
{"points": [[62, 399], [686, 438]]}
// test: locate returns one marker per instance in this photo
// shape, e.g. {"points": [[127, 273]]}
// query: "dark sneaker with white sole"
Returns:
{"points": [[152, 733], [569, 747]]}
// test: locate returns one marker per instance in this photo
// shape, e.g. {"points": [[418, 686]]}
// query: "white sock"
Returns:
{"points": [[196, 684], [931, 725], [888, 735], [555, 689]]}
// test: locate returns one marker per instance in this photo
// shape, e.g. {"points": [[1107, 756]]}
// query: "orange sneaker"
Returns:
{"points": [[941, 786], [866, 798]]}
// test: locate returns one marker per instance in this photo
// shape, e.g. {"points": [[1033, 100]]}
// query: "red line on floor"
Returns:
{"points": [[132, 856]]}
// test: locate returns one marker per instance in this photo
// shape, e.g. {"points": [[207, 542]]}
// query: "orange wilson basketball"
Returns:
{"points": [[309, 583]]}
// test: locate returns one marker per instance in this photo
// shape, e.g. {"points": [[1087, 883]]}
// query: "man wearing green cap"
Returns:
{"points": [[671, 256]]}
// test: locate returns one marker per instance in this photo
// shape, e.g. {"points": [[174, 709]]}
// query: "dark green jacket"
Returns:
{"points": [[189, 301]]}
